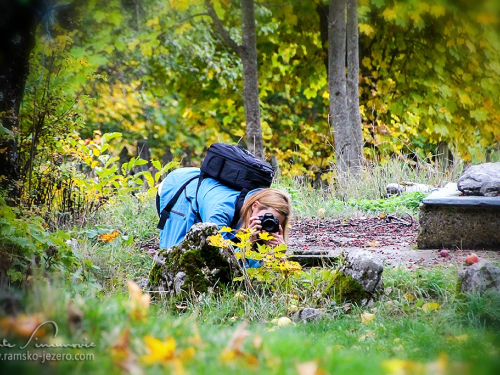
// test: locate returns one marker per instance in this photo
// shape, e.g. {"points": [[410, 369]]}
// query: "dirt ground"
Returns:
{"points": [[391, 239]]}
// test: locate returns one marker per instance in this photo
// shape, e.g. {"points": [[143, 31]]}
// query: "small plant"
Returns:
{"points": [[409, 201], [26, 243], [106, 178], [274, 266]]}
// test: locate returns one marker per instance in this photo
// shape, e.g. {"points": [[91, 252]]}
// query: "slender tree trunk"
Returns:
{"points": [[250, 79], [323, 12], [346, 122], [18, 23], [353, 81], [337, 83]]}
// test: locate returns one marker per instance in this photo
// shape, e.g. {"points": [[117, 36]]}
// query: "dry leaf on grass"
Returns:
{"points": [[24, 325], [309, 368], [122, 356], [431, 306], [367, 318], [139, 302], [373, 243]]}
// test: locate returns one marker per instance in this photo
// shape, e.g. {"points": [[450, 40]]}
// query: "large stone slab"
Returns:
{"points": [[448, 219]]}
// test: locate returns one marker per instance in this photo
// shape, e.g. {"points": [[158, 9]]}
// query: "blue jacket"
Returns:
{"points": [[216, 204]]}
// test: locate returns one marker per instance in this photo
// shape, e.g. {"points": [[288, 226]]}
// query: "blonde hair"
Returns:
{"points": [[268, 198]]}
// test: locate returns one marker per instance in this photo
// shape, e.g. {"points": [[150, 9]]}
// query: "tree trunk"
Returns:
{"points": [[250, 79], [248, 54], [18, 23], [353, 81], [348, 140], [337, 83], [323, 11]]}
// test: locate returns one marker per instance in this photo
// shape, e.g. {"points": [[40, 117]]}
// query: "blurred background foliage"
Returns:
{"points": [[156, 71]]}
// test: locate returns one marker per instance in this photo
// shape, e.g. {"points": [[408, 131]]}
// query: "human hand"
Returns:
{"points": [[256, 225], [277, 238]]}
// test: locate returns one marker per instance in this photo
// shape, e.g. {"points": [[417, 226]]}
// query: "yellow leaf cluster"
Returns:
{"points": [[108, 237]]}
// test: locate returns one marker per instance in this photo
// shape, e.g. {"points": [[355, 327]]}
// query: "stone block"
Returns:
{"points": [[449, 220]]}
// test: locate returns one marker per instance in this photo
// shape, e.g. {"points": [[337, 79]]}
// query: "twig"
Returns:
{"points": [[399, 220]]}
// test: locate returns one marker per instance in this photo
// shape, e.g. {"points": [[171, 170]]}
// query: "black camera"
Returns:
{"points": [[270, 223]]}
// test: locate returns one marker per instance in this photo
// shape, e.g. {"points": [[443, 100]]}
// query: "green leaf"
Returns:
{"points": [[156, 164]]}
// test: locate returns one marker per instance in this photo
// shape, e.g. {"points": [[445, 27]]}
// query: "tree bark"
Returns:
{"points": [[337, 83], [250, 79], [353, 81], [18, 23], [323, 13], [346, 134], [248, 54]]}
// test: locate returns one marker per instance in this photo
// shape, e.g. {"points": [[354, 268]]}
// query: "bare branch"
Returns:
{"points": [[220, 28]]}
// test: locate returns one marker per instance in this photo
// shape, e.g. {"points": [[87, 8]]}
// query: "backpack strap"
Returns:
{"points": [[237, 208], [165, 213]]}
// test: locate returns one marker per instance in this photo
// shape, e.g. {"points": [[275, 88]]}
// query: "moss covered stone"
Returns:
{"points": [[359, 279], [192, 265], [343, 288]]}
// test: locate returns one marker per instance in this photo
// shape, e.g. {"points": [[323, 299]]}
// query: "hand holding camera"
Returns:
{"points": [[267, 223]]}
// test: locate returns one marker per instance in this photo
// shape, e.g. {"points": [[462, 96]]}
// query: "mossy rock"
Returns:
{"points": [[358, 279], [192, 265], [343, 288]]}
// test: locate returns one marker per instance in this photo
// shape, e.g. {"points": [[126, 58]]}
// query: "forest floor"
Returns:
{"points": [[391, 239]]}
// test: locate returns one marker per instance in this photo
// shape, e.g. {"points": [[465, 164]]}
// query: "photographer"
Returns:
{"points": [[267, 210], [215, 202]]}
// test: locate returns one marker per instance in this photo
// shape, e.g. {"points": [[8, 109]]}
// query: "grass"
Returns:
{"points": [[454, 336], [457, 334]]}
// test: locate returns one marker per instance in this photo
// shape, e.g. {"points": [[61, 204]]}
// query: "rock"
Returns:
{"points": [[366, 270], [308, 314], [480, 277], [407, 187], [143, 283], [481, 179], [358, 280], [193, 264]]}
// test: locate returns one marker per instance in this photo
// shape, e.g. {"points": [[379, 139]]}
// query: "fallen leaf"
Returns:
{"points": [[238, 337], [257, 342], [122, 356], [108, 237], [307, 368], [24, 325], [239, 296], [373, 243], [429, 306], [139, 302], [233, 350], [159, 351], [460, 338], [284, 321], [367, 318]]}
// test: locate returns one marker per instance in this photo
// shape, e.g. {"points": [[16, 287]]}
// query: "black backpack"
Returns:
{"points": [[234, 167]]}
